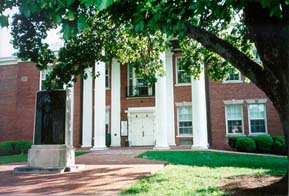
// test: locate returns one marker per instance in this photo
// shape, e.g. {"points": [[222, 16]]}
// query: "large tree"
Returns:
{"points": [[215, 33]]}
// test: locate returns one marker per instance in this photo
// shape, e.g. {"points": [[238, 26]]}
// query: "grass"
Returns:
{"points": [[199, 173], [23, 158]]}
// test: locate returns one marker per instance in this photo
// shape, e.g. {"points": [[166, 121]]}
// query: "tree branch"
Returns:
{"points": [[244, 64]]}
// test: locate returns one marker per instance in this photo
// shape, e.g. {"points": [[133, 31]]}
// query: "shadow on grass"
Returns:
{"points": [[272, 165]]}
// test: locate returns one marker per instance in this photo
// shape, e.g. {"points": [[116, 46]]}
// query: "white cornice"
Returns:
{"points": [[12, 60]]}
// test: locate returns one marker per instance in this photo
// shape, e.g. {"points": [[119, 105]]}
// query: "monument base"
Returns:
{"points": [[49, 159]]}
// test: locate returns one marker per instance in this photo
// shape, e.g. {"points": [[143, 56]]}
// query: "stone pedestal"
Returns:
{"points": [[52, 151]]}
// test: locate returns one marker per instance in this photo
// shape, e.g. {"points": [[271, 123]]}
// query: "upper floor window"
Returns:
{"points": [[181, 76], [138, 87], [43, 75], [107, 78], [185, 126], [234, 118], [234, 75], [257, 118]]}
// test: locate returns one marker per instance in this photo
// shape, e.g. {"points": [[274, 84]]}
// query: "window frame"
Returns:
{"points": [[226, 81], [176, 73], [234, 102], [178, 106], [256, 102]]}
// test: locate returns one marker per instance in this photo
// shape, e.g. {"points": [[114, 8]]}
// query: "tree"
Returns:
{"points": [[214, 33]]}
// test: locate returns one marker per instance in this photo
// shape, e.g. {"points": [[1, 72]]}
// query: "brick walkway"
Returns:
{"points": [[106, 173]]}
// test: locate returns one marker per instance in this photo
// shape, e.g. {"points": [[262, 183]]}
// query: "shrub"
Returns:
{"points": [[14, 147], [232, 141], [245, 144], [22, 147], [263, 143], [6, 148], [279, 145]]}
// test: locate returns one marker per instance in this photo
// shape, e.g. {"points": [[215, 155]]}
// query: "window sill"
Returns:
{"points": [[184, 136], [147, 97], [233, 82], [256, 134], [235, 134], [182, 84]]}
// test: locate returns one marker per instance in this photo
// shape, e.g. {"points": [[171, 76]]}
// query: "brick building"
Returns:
{"points": [[175, 111]]}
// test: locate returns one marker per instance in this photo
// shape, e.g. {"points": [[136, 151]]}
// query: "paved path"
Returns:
{"points": [[106, 173]]}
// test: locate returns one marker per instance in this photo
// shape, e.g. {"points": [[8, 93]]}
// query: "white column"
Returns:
{"points": [[161, 134], [99, 107], [69, 117], [199, 113], [115, 103], [87, 110], [170, 98]]}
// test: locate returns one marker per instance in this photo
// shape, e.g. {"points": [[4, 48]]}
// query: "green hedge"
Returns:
{"points": [[245, 144], [14, 147], [263, 144], [279, 145]]}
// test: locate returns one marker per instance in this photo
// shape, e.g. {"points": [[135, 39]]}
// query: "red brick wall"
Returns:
{"points": [[77, 113], [131, 102], [182, 93], [18, 86], [238, 91]]}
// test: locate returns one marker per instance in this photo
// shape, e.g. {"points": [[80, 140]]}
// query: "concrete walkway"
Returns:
{"points": [[107, 172]]}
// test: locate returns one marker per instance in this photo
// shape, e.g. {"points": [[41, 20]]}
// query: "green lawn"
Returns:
{"points": [[23, 158], [199, 173]]}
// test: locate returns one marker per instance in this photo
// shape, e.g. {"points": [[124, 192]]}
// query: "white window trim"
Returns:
{"points": [[256, 101], [183, 104], [234, 81], [176, 74], [265, 118], [234, 102]]}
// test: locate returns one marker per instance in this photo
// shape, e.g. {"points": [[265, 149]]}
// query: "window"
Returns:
{"points": [[182, 76], [138, 87], [257, 118], [185, 120], [234, 118], [107, 83], [234, 75], [43, 75]]}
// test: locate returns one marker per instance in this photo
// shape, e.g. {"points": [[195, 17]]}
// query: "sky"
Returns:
{"points": [[6, 48]]}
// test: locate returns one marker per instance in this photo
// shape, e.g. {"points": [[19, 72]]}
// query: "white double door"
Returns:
{"points": [[141, 128]]}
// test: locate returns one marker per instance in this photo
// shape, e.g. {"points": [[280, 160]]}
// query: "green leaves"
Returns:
{"points": [[3, 21]]}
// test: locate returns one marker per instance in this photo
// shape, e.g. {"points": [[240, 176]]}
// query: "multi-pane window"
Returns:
{"points": [[185, 120], [234, 118], [43, 75], [234, 75], [257, 118], [138, 87], [182, 76], [107, 85]]}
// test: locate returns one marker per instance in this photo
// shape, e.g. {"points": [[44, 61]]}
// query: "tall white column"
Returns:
{"points": [[115, 103], [161, 133], [170, 98], [87, 111], [99, 107], [199, 113], [69, 117]]}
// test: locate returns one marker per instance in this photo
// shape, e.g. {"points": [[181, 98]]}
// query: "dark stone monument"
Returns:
{"points": [[52, 150], [50, 117]]}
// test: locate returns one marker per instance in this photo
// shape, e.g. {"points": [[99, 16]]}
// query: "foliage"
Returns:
{"points": [[279, 145], [199, 173], [245, 144], [232, 141], [14, 147], [6, 148], [263, 143]]}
